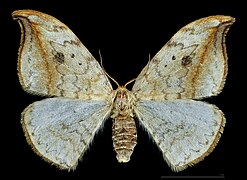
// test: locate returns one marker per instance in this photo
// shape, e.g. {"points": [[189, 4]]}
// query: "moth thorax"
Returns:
{"points": [[123, 128]]}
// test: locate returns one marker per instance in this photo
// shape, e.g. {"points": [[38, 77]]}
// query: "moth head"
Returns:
{"points": [[123, 99], [122, 93]]}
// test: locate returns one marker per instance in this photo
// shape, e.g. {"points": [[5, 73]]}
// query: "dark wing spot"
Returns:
{"points": [[59, 57], [155, 60], [173, 57], [58, 28], [72, 55], [186, 60]]}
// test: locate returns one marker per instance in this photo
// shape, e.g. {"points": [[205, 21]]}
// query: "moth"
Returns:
{"points": [[164, 99]]}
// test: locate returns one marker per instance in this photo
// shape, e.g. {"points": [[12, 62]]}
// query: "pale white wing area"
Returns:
{"points": [[184, 130], [52, 60], [193, 64], [60, 129]]}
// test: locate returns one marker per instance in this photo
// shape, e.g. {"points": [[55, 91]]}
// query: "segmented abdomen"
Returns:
{"points": [[124, 137]]}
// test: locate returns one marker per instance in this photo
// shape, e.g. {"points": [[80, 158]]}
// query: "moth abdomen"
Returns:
{"points": [[124, 136]]}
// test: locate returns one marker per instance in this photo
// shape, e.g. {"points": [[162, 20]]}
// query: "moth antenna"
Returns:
{"points": [[129, 82], [149, 59], [101, 63]]}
